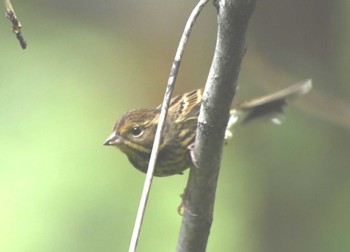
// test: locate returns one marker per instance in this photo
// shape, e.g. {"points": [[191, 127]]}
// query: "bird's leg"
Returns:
{"points": [[192, 156]]}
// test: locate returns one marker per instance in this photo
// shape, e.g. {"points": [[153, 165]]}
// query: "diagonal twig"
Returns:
{"points": [[16, 24]]}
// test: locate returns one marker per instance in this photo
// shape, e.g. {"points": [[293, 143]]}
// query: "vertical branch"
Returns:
{"points": [[232, 18]]}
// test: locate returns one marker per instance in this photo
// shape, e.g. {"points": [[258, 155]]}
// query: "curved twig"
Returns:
{"points": [[164, 110]]}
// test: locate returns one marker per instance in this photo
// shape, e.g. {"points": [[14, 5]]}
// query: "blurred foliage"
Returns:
{"points": [[281, 188]]}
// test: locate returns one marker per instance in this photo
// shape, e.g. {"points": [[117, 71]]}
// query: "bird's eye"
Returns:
{"points": [[136, 131]]}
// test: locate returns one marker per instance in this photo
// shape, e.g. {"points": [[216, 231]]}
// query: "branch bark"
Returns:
{"points": [[232, 18], [16, 25]]}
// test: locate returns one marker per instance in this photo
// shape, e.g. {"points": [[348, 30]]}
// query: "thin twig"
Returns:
{"points": [[164, 110], [16, 25]]}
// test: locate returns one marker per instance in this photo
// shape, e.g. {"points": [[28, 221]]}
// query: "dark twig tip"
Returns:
{"points": [[16, 27], [21, 40]]}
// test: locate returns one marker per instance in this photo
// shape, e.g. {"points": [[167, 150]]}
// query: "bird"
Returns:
{"points": [[134, 132]]}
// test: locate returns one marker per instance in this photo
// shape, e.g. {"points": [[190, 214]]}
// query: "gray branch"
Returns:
{"points": [[232, 18]]}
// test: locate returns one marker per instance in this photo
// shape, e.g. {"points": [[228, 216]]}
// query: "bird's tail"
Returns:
{"points": [[269, 106]]}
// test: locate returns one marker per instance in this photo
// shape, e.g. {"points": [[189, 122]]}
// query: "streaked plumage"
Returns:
{"points": [[134, 133]]}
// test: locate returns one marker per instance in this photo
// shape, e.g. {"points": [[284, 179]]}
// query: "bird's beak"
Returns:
{"points": [[113, 139]]}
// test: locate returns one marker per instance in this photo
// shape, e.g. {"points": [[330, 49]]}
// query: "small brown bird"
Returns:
{"points": [[134, 133]]}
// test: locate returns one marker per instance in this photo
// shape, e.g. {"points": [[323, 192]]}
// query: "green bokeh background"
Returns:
{"points": [[281, 188]]}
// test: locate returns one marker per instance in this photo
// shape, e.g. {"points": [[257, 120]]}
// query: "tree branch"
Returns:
{"points": [[232, 18], [16, 25]]}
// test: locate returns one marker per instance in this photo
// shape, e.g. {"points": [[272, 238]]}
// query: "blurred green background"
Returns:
{"points": [[281, 188]]}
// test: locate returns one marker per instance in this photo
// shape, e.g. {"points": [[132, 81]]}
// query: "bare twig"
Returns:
{"points": [[233, 17], [164, 110], [16, 25]]}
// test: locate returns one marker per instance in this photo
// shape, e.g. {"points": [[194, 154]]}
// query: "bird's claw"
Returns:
{"points": [[181, 209], [192, 156]]}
